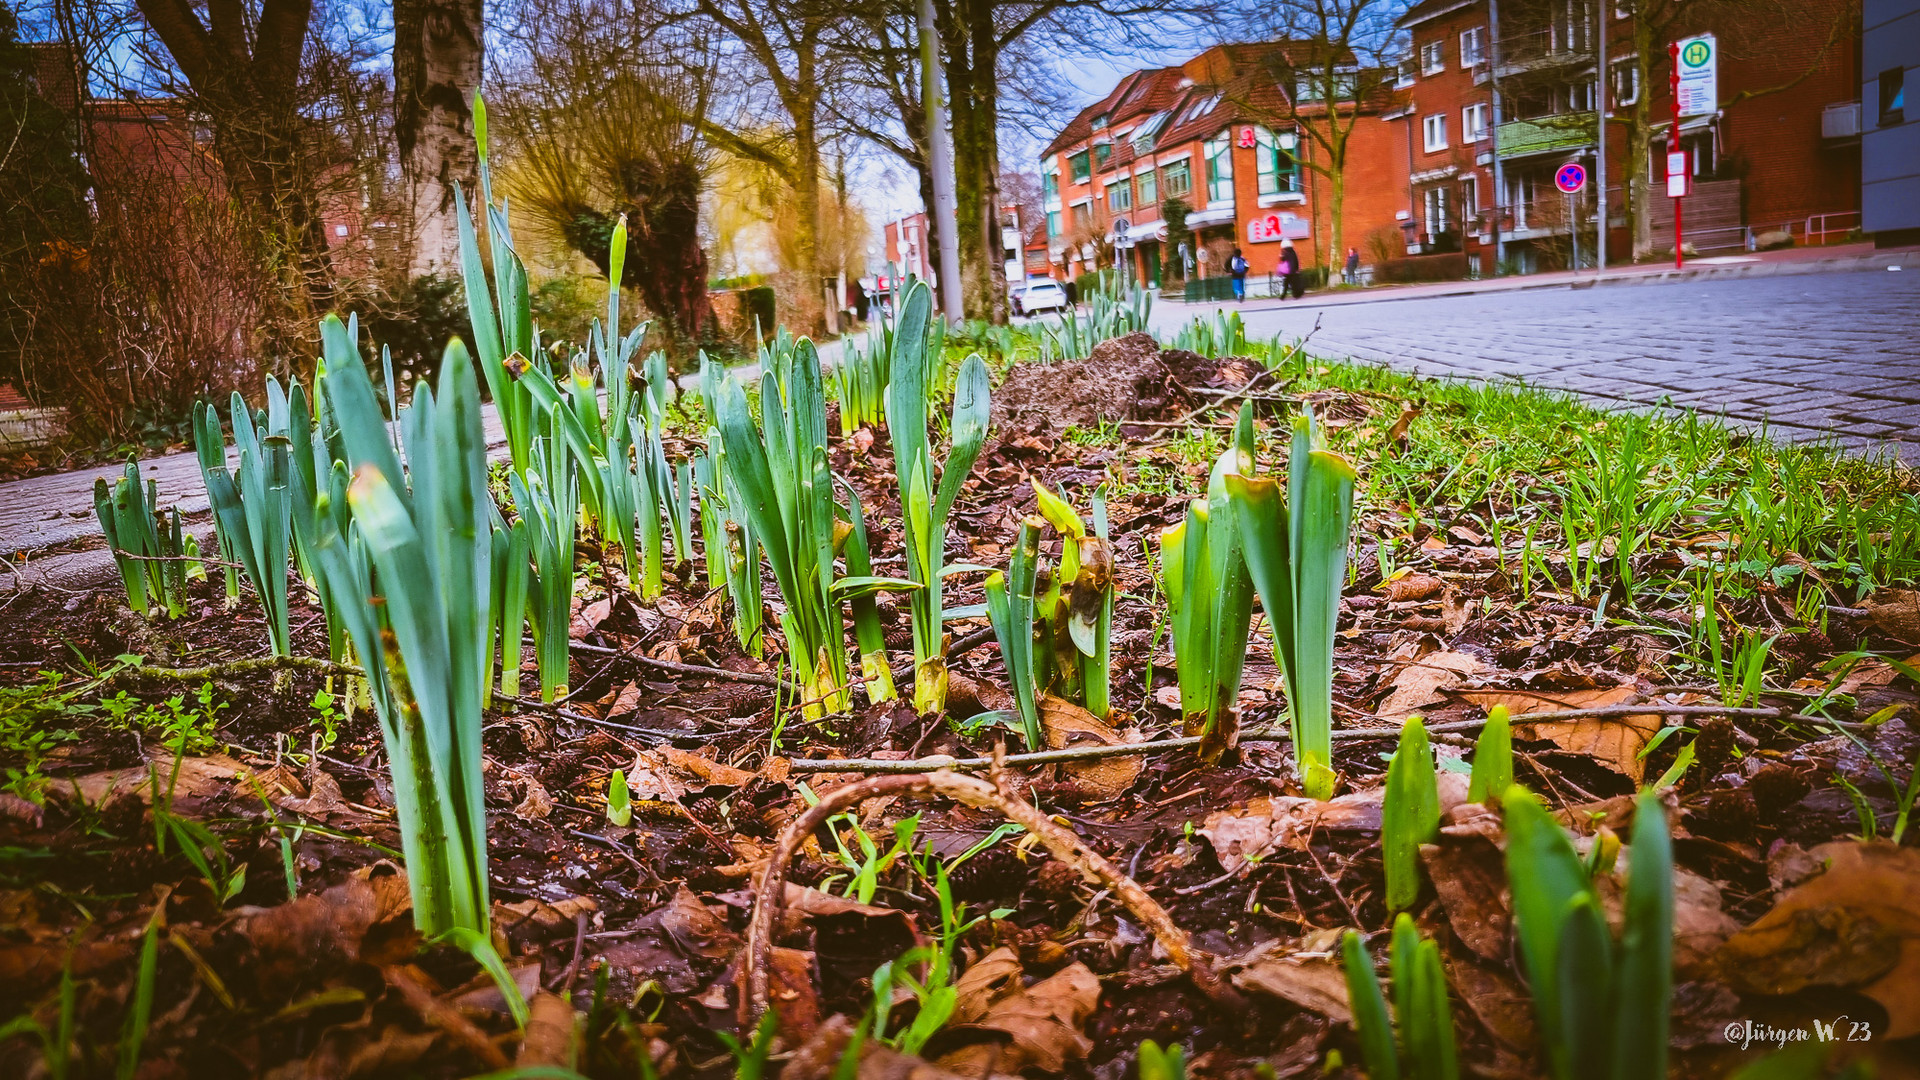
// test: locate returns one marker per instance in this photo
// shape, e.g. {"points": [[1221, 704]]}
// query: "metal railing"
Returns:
{"points": [[1815, 231]]}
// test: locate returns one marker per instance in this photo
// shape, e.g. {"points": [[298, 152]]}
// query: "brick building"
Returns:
{"points": [[1207, 133], [1776, 151]]}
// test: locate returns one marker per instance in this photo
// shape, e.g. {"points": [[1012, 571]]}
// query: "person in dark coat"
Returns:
{"points": [[1237, 266], [1290, 283]]}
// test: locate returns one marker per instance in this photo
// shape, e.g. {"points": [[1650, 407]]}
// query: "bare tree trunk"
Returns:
{"points": [[972, 84], [437, 52]]}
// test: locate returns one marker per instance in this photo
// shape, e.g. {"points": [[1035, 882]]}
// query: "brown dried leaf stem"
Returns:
{"points": [[981, 794]]}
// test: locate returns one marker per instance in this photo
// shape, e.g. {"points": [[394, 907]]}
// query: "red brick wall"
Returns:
{"points": [[1774, 139]]}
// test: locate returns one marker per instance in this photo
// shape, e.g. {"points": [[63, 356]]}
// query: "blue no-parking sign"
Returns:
{"points": [[1571, 177]]}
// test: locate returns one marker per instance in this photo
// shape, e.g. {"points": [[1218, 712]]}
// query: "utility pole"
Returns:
{"points": [[1499, 176], [1600, 152], [946, 204]]}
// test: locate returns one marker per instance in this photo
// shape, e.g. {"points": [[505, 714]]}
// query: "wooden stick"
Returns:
{"points": [[972, 791]]}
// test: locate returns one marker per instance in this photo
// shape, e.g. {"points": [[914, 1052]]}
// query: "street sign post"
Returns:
{"points": [[1570, 179], [1699, 71], [1674, 152]]}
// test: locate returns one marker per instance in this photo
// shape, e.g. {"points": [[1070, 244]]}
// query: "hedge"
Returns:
{"points": [[1448, 267]]}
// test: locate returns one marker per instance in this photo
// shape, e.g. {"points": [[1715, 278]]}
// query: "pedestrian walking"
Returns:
{"points": [[1353, 266], [1290, 283], [1238, 267]]}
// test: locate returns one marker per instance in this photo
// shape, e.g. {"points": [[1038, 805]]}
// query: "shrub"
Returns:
{"points": [[757, 304], [1449, 267]]}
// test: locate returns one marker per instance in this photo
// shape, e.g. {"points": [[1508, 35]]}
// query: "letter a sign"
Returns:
{"points": [[1699, 75]]}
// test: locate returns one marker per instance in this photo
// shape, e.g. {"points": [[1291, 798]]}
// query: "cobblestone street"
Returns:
{"points": [[1806, 354]]}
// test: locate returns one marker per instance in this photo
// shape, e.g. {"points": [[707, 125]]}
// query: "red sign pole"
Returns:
{"points": [[1673, 140]]}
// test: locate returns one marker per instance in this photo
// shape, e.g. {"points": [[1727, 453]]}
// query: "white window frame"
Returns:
{"points": [[1433, 208], [1430, 126], [1433, 58], [1632, 69], [1469, 197], [1475, 123], [1473, 46]]}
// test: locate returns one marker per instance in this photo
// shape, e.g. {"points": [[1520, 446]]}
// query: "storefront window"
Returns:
{"points": [[1279, 171]]}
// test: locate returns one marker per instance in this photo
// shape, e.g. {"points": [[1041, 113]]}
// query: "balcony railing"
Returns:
{"points": [[1568, 131], [1548, 47]]}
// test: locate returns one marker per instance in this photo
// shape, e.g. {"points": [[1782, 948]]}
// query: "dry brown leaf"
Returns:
{"points": [[1420, 681], [541, 919], [1700, 926], [793, 995], [1501, 1005], [1613, 741], [549, 1038], [1469, 875], [703, 767], [1854, 926], [1044, 1021], [693, 928], [1313, 982], [1896, 613], [316, 932], [1068, 726], [1268, 824], [1414, 587], [198, 777], [587, 617], [536, 804]]}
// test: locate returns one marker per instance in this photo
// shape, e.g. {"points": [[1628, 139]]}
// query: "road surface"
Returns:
{"points": [[1806, 354]]}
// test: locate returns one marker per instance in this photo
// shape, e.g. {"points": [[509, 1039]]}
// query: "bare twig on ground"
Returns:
{"points": [[1090, 753], [984, 795]]}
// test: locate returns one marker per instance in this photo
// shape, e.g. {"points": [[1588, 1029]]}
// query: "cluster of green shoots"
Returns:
{"points": [[1601, 1000], [1246, 538], [154, 553], [1109, 315], [1053, 620]]}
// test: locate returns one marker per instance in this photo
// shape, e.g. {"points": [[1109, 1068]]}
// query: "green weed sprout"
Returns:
{"points": [[151, 551], [1410, 814], [1296, 551], [1210, 600], [1492, 759], [1601, 1003], [926, 502], [783, 487], [253, 505], [1158, 1064], [1423, 1047], [1074, 612], [619, 799], [547, 499], [1010, 610], [412, 577]]}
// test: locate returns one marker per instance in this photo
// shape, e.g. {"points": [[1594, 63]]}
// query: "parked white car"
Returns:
{"points": [[1039, 296]]}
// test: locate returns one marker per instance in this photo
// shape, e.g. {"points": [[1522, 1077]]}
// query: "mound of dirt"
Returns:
{"points": [[1126, 378]]}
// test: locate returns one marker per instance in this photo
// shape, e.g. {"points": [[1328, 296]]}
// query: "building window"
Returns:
{"points": [[1312, 87], [1433, 58], [1473, 123], [1099, 122], [1626, 83], [1893, 97], [1082, 216], [1102, 153], [1434, 128], [1436, 213], [1053, 224], [1050, 185], [1179, 179], [1580, 96], [1278, 170], [1220, 171], [1201, 105], [1120, 196], [1148, 192], [1469, 197], [1080, 167], [1473, 47]]}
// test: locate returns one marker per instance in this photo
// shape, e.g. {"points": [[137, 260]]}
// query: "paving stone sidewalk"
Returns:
{"points": [[1807, 355]]}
